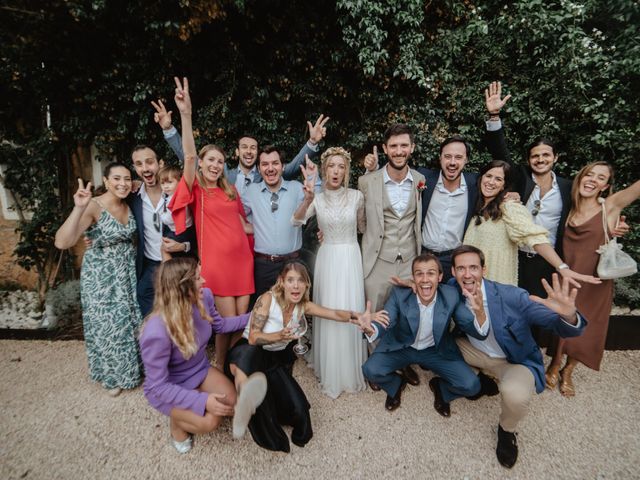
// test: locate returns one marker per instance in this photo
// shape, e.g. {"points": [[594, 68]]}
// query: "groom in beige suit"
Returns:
{"points": [[393, 210]]}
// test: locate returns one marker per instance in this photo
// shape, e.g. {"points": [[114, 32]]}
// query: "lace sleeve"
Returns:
{"points": [[311, 211]]}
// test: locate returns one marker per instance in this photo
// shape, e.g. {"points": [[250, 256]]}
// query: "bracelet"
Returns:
{"points": [[562, 266]]}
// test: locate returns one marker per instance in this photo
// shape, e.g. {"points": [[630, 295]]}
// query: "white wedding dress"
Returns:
{"points": [[338, 350]]}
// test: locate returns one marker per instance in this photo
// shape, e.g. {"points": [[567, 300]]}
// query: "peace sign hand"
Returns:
{"points": [[492, 99], [182, 97], [318, 130], [161, 116], [371, 160], [82, 197], [309, 183]]}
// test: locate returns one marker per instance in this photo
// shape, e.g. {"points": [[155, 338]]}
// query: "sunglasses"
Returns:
{"points": [[537, 205], [274, 201], [247, 181], [156, 221]]}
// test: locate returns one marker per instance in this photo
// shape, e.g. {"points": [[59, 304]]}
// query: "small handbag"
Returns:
{"points": [[613, 263]]}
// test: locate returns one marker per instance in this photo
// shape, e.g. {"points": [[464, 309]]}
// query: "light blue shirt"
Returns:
{"points": [[274, 234]]}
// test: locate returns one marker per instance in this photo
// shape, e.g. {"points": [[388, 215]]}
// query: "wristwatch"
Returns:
{"points": [[187, 247], [562, 266]]}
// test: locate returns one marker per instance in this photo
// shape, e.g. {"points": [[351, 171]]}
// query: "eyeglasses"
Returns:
{"points": [[274, 201], [247, 181], [156, 221], [537, 205]]}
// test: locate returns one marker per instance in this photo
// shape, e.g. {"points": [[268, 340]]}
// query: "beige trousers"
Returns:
{"points": [[377, 284], [515, 381]]}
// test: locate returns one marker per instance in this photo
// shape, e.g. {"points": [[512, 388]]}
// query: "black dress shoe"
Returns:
{"points": [[488, 387], [507, 449], [439, 404], [391, 403], [410, 376], [373, 386]]}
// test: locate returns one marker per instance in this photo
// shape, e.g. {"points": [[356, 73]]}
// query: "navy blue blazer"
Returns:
{"points": [[135, 203], [404, 320], [523, 182], [513, 314], [432, 176]]}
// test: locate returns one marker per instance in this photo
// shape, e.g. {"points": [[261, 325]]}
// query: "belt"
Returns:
{"points": [[278, 258], [444, 253]]}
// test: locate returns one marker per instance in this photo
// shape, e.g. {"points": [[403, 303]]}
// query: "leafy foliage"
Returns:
{"points": [[267, 67]]}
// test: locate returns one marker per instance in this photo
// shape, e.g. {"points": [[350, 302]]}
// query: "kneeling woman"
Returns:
{"points": [[179, 380], [267, 346]]}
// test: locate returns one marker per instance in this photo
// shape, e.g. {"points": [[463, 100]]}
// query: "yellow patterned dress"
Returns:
{"points": [[500, 239], [110, 313]]}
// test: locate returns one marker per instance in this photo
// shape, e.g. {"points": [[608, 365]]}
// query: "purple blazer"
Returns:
{"points": [[170, 380]]}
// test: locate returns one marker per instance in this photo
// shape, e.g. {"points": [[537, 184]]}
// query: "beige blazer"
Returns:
{"points": [[372, 187]]}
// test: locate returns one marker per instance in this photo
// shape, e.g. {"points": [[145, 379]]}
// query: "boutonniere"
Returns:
{"points": [[421, 186]]}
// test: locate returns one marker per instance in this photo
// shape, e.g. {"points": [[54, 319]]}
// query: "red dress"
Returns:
{"points": [[223, 246]]}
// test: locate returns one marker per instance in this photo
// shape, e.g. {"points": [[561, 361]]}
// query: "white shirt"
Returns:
{"points": [[398, 193], [167, 218], [152, 226], [549, 211], [490, 345], [424, 337], [443, 227]]}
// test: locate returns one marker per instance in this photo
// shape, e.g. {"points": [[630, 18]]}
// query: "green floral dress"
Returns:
{"points": [[110, 312]]}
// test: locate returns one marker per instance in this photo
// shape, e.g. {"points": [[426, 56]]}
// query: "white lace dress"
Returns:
{"points": [[338, 349]]}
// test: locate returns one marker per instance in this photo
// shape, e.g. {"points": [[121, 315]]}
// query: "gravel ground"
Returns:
{"points": [[57, 424]]}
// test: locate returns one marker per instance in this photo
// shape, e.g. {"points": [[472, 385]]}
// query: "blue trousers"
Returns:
{"points": [[457, 377]]}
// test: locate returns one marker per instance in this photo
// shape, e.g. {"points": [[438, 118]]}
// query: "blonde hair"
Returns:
{"points": [[223, 183], [277, 291], [576, 199], [335, 152], [176, 293]]}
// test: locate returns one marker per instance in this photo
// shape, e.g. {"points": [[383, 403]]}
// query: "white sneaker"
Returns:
{"points": [[252, 393], [183, 446]]}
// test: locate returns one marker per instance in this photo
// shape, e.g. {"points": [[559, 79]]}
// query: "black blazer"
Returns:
{"points": [[523, 182], [431, 177]]}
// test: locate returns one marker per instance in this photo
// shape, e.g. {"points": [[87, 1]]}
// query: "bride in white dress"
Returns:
{"points": [[338, 349]]}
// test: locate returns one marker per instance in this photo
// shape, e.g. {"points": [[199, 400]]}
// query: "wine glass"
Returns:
{"points": [[300, 329]]}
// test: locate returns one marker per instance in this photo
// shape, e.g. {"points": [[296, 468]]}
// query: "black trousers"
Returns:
{"points": [[285, 402], [531, 270]]}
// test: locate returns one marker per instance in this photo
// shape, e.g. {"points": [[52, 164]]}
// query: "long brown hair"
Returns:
{"points": [[277, 291], [576, 199], [176, 293], [492, 209], [223, 183]]}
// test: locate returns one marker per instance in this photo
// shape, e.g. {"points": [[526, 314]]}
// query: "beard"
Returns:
{"points": [[399, 167]]}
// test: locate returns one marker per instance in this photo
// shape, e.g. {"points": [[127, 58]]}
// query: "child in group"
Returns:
{"points": [[168, 178]]}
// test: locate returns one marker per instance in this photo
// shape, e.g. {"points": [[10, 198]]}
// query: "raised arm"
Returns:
{"points": [[81, 217], [619, 200], [183, 102], [163, 118], [302, 213], [317, 132]]}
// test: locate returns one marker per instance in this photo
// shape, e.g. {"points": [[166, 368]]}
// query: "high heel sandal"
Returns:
{"points": [[567, 389], [552, 376]]}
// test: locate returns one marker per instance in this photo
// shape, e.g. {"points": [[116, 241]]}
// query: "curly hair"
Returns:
{"points": [[336, 152]]}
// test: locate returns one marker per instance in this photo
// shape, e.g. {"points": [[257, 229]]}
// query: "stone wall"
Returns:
{"points": [[9, 269]]}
